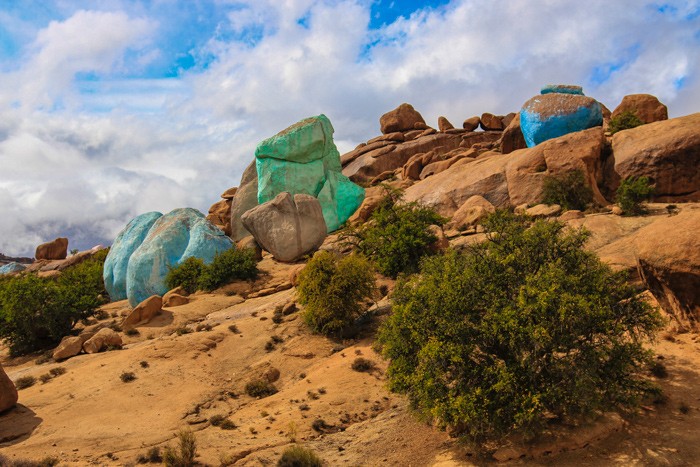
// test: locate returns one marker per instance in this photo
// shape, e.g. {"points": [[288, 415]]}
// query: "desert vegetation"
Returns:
{"points": [[192, 274], [624, 121], [632, 192], [569, 190]]}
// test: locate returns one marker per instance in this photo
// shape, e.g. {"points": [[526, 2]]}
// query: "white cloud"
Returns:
{"points": [[84, 157]]}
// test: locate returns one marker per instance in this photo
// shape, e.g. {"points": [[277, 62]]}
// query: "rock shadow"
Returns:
{"points": [[17, 424]]}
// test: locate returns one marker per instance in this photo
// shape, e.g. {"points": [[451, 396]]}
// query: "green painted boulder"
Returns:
{"points": [[303, 159]]}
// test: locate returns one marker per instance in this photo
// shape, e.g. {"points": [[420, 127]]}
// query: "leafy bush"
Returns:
{"points": [[569, 190], [183, 455], [187, 275], [624, 121], [396, 237], [192, 274], [299, 456], [525, 326], [260, 388], [334, 290], [631, 192], [35, 312]]}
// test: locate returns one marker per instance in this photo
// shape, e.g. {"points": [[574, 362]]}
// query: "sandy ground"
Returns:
{"points": [[89, 416]]}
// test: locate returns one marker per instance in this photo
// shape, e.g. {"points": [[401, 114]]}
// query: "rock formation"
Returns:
{"points": [[288, 226], [402, 118], [645, 106], [9, 268], [56, 249], [559, 110], [8, 392]]}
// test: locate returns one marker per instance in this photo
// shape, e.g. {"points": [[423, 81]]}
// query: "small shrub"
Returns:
{"points": [[25, 382], [152, 456], [684, 408], [45, 378], [298, 456], [132, 332], [658, 369], [227, 424], [144, 364], [632, 192], [672, 209], [187, 275], [127, 376], [48, 461], [569, 190], [228, 266], [260, 388], [269, 346], [182, 330], [522, 329], [234, 329], [184, 454], [59, 370], [334, 290], [624, 121], [362, 364], [216, 420], [397, 235], [319, 425]]}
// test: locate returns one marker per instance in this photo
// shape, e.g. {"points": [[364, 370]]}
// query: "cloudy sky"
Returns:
{"points": [[111, 108]]}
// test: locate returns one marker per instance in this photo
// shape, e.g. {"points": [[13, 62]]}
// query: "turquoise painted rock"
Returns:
{"points": [[557, 111], [9, 268], [303, 159], [174, 237], [128, 240]]}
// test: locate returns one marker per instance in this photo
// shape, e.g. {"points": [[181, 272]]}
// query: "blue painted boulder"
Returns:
{"points": [[9, 268], [117, 261], [174, 237], [557, 111], [303, 159]]}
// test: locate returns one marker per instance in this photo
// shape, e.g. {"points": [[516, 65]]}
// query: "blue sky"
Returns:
{"points": [[110, 108]]}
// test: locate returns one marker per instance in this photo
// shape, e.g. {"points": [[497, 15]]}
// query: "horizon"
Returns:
{"points": [[110, 109]]}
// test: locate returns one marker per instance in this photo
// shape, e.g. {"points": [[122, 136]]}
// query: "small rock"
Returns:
{"points": [[144, 311], [571, 214], [491, 122], [444, 124], [70, 346], [402, 118], [544, 210], [104, 338], [250, 243], [56, 249], [171, 300], [471, 124]]}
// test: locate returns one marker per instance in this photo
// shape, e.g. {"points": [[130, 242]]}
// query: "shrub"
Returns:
{"points": [[192, 274], [298, 456], [624, 121], [334, 290], [569, 190], [48, 461], [25, 382], [260, 388], [631, 192], [396, 237], [525, 326], [183, 455], [127, 376], [58, 371], [232, 264], [152, 456], [35, 312], [362, 364], [187, 275]]}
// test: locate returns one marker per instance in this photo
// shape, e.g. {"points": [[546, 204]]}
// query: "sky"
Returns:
{"points": [[113, 108]]}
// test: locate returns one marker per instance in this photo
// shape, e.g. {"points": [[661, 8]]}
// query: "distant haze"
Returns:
{"points": [[112, 108]]}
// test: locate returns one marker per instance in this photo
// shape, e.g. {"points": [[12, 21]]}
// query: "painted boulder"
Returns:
{"points": [[9, 268], [174, 237], [117, 261], [557, 111], [303, 159]]}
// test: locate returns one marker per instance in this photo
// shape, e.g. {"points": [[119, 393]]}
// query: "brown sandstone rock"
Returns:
{"points": [[373, 197], [220, 214], [171, 300], [512, 138], [472, 123], [645, 106], [543, 210], [104, 338], [402, 118], [230, 193], [448, 190], [440, 166], [246, 198], [570, 215], [250, 243], [471, 212], [56, 249], [370, 164], [389, 146], [144, 311], [491, 122], [8, 392], [444, 124], [667, 152], [70, 346], [669, 264], [507, 119], [527, 168]]}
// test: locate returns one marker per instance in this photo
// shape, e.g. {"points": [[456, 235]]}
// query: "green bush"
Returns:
{"points": [[187, 275], [192, 274], [184, 454], [624, 121], [35, 312], [631, 192], [569, 190], [299, 456], [334, 291], [521, 328], [396, 237], [232, 264]]}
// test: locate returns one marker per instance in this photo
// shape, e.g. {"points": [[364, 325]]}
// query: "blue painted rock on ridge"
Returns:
{"points": [[174, 237], [117, 261], [562, 89], [9, 268], [303, 159], [555, 113]]}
